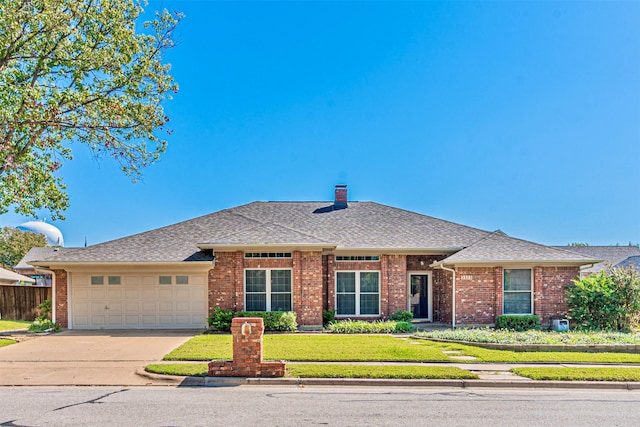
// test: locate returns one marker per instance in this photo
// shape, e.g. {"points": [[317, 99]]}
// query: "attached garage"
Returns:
{"points": [[137, 301]]}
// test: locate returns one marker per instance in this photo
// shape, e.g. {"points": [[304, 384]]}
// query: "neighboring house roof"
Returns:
{"points": [[612, 255], [7, 276], [362, 226], [36, 254], [498, 247], [631, 262]]}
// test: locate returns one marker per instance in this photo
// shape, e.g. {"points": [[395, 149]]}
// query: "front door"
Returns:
{"points": [[419, 295]]}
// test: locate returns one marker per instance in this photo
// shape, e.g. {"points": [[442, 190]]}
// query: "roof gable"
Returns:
{"points": [[498, 247]]}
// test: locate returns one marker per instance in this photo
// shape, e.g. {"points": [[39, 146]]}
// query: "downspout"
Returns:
{"points": [[453, 296]]}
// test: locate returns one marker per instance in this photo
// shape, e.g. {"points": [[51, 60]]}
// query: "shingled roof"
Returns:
{"points": [[35, 254], [498, 247], [608, 254], [361, 226]]}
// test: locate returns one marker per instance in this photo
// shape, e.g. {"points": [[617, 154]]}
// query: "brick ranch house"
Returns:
{"points": [[363, 259]]}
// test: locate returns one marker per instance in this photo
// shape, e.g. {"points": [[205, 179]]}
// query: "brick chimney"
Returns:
{"points": [[340, 201]]}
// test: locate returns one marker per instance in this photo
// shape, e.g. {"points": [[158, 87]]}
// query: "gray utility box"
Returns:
{"points": [[560, 325]]}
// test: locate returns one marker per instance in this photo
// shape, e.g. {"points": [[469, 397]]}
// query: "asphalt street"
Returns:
{"points": [[300, 406]]}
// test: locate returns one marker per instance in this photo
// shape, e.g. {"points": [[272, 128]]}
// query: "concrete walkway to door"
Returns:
{"points": [[88, 357]]}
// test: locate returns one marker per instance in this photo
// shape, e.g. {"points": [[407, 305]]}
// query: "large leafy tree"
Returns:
{"points": [[78, 72], [14, 245]]}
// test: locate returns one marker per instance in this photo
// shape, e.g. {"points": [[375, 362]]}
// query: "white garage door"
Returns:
{"points": [[108, 301]]}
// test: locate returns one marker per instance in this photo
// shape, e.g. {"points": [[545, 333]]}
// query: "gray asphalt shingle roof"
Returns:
{"points": [[499, 247], [610, 254], [35, 254], [361, 226]]}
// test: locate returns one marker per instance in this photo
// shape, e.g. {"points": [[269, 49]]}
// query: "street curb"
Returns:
{"points": [[160, 379]]}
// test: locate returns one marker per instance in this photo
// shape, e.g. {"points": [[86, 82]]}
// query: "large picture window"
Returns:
{"points": [[267, 290], [358, 293], [517, 291]]}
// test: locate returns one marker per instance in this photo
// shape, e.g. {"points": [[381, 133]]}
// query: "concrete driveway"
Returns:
{"points": [[87, 357]]}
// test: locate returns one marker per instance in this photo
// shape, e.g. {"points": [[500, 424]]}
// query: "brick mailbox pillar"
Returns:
{"points": [[247, 352]]}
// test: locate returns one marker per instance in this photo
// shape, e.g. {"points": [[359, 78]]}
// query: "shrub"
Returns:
{"points": [[220, 319], [273, 320], [328, 316], [43, 322], [513, 322], [401, 316], [362, 327], [609, 300]]}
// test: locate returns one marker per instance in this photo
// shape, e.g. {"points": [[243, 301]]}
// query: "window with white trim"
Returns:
{"points": [[267, 255], [518, 291], [357, 258], [357, 293], [267, 290]]}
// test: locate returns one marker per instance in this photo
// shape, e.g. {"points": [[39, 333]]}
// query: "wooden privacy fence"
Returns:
{"points": [[21, 302]]}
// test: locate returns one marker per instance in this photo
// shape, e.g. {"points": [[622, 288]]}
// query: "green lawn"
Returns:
{"points": [[488, 355], [359, 348], [5, 342], [8, 325], [487, 335], [182, 369], [377, 371], [333, 371], [315, 347], [580, 374]]}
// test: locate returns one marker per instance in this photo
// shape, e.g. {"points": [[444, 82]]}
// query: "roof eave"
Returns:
{"points": [[63, 264], [523, 262]]}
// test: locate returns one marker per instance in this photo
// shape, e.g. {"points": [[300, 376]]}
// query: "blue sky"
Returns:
{"points": [[519, 116]]}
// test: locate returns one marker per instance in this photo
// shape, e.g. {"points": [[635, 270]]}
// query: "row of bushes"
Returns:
{"points": [[220, 320], [363, 327], [399, 322]]}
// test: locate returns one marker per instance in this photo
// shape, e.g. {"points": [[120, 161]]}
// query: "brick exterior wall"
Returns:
{"points": [[224, 279], [226, 282], [550, 301], [396, 283], [62, 298], [478, 289], [479, 293], [309, 301], [442, 296], [475, 295]]}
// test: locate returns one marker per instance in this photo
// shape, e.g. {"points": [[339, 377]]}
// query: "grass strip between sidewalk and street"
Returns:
{"points": [[377, 371], [182, 369], [10, 325], [333, 371], [5, 342], [579, 374]]}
